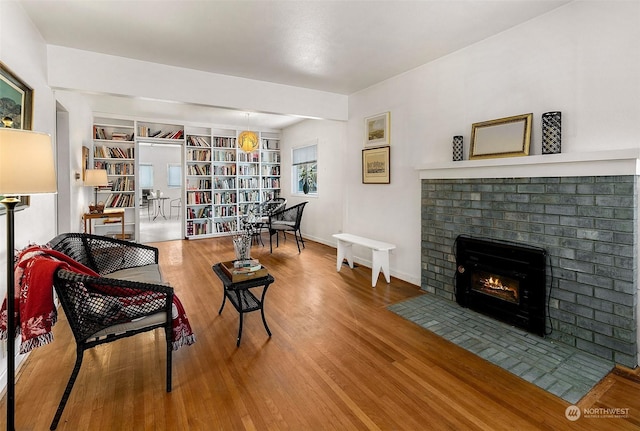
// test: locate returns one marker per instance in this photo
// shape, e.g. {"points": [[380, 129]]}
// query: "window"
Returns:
{"points": [[174, 175], [304, 173], [146, 176]]}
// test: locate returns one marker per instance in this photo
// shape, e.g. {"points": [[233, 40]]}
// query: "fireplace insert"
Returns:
{"points": [[504, 280]]}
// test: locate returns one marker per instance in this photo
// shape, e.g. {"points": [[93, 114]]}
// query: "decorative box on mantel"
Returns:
{"points": [[595, 163]]}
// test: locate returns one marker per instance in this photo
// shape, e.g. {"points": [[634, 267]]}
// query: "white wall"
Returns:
{"points": [[322, 216], [24, 52], [107, 74], [80, 120], [581, 59]]}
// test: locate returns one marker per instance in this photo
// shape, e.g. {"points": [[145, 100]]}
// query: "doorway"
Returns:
{"points": [[160, 182]]}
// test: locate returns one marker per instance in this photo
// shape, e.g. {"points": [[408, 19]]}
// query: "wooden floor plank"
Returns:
{"points": [[338, 359]]}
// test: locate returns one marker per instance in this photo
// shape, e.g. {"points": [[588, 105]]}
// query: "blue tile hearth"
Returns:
{"points": [[559, 369]]}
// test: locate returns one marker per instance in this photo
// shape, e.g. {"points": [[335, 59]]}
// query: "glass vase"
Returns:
{"points": [[242, 247]]}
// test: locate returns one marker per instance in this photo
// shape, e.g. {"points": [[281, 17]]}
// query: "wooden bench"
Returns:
{"points": [[380, 251]]}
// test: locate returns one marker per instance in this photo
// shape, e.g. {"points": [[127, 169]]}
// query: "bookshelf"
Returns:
{"points": [[198, 184], [159, 132], [225, 182], [220, 182], [269, 167], [234, 180], [114, 151]]}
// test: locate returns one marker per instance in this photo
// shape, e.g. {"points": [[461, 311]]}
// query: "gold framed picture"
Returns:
{"points": [[377, 129], [85, 160], [504, 137], [376, 167]]}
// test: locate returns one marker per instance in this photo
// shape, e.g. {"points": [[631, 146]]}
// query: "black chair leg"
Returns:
{"points": [[270, 241], [168, 334], [296, 234], [296, 237], [67, 390]]}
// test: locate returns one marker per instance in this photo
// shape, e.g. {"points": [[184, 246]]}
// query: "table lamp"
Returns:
{"points": [[26, 167], [96, 178]]}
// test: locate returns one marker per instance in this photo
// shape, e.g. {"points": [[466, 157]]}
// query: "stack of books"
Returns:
{"points": [[246, 266]]}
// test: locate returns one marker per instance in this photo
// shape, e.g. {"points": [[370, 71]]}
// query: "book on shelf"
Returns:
{"points": [[119, 136], [113, 211], [198, 141]]}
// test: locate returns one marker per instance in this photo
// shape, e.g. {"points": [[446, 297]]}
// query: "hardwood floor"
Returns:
{"points": [[337, 360]]}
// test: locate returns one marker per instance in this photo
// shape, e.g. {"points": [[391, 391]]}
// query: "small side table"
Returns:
{"points": [[87, 217], [159, 209], [243, 300]]}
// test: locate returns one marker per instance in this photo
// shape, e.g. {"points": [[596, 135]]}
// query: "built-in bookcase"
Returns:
{"points": [[239, 180], [269, 167], [225, 182], [160, 131], [221, 183], [114, 151], [198, 184]]}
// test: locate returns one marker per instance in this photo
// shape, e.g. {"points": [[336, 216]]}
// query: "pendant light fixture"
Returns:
{"points": [[248, 141]]}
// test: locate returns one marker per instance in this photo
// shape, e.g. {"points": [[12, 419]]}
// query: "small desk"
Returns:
{"points": [[159, 209], [243, 300], [87, 217]]}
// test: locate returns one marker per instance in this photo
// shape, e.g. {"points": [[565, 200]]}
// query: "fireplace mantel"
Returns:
{"points": [[595, 163]]}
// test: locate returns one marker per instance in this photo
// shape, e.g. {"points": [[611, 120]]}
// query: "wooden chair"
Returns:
{"points": [[127, 299], [286, 220]]}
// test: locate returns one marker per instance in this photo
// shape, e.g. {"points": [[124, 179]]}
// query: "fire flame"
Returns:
{"points": [[495, 284]]}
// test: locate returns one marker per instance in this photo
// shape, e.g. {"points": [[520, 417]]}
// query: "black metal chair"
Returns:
{"points": [[286, 220], [260, 216], [106, 308]]}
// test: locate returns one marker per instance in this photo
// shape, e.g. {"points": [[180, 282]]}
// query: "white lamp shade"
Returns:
{"points": [[96, 177], [26, 163]]}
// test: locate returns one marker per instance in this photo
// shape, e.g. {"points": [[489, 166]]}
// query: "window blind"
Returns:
{"points": [[306, 154]]}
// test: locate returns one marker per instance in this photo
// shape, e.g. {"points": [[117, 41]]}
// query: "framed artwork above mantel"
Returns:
{"points": [[504, 137]]}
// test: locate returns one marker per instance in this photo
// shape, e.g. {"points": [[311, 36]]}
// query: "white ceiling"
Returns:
{"points": [[335, 46]]}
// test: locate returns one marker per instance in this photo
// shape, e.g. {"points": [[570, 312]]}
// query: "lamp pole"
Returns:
{"points": [[10, 203], [27, 166]]}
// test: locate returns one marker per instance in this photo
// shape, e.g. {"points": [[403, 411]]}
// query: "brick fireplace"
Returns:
{"points": [[583, 210]]}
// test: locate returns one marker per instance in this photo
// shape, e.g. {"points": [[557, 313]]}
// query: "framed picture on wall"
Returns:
{"points": [[24, 203], [504, 137], [376, 168], [85, 161], [16, 108], [377, 129]]}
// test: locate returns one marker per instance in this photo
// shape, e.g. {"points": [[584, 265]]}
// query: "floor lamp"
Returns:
{"points": [[26, 167]]}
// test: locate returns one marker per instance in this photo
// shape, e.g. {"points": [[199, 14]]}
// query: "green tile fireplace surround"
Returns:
{"points": [[586, 223]]}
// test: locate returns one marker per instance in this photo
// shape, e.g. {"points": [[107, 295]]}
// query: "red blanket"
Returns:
{"points": [[35, 313]]}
